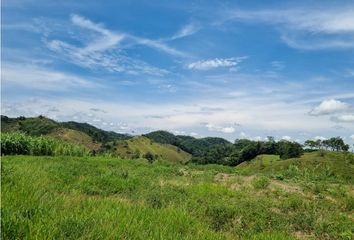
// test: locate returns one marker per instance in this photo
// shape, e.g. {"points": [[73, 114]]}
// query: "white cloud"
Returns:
{"points": [[187, 30], [346, 118], [227, 129], [328, 21], [306, 28], [157, 45], [287, 138], [212, 127], [105, 49], [352, 136], [320, 138], [317, 43], [330, 106], [258, 138], [34, 77], [215, 63]]}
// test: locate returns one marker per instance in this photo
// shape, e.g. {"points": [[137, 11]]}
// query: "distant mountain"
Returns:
{"points": [[97, 134], [176, 148], [194, 146]]}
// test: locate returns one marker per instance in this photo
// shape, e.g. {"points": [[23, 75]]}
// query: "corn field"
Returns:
{"points": [[21, 144]]}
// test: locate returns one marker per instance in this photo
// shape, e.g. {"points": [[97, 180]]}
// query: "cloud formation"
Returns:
{"points": [[305, 28], [35, 77], [215, 63], [212, 127], [330, 106], [187, 30], [106, 50], [345, 118]]}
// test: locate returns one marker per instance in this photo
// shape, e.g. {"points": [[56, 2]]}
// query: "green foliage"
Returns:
{"points": [[17, 143], [245, 150], [286, 149]]}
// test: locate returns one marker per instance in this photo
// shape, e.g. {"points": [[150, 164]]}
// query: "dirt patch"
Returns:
{"points": [[286, 187], [302, 235]]}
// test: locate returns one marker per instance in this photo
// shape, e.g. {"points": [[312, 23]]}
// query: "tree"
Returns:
{"points": [[311, 144], [288, 149], [149, 156]]}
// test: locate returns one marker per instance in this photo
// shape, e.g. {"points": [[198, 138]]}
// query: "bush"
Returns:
{"points": [[150, 157]]}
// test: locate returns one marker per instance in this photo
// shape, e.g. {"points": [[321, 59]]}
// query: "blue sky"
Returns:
{"points": [[235, 69]]}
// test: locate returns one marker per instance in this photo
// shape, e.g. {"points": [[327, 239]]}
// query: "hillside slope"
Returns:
{"points": [[139, 146], [75, 137]]}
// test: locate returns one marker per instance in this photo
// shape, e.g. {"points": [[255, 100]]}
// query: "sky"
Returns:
{"points": [[233, 69]]}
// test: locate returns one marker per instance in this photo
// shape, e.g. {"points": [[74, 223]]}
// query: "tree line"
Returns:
{"points": [[334, 144], [245, 150]]}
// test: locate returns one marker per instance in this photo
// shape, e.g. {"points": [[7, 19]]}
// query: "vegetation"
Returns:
{"points": [[194, 146], [17, 143], [245, 150], [110, 198], [334, 144]]}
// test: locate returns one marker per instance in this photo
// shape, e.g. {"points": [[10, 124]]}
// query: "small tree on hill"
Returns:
{"points": [[149, 156]]}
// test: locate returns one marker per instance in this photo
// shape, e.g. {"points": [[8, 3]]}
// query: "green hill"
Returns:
{"points": [[314, 165], [139, 146]]}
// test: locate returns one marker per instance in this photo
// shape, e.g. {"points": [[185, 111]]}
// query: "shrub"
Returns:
{"points": [[261, 183], [150, 157]]}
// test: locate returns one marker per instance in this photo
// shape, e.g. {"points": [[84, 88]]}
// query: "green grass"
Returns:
{"points": [[110, 198]]}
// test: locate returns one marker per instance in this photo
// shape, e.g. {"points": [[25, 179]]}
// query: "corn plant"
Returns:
{"points": [[21, 144]]}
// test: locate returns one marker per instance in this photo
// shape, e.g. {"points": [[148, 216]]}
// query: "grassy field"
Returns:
{"points": [[110, 198]]}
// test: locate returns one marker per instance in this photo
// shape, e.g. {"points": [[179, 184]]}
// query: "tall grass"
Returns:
{"points": [[17, 143]]}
